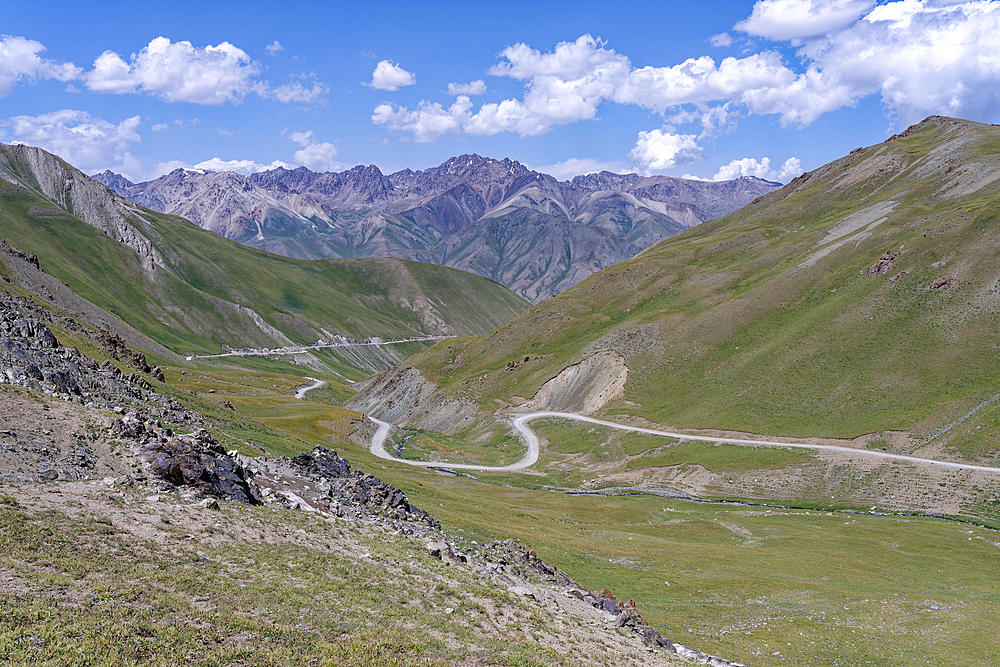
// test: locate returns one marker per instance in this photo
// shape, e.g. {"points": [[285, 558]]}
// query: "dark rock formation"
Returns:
{"points": [[201, 462], [340, 487], [115, 347], [31, 258], [31, 357]]}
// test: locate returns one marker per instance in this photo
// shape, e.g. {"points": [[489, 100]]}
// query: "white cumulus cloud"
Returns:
{"points": [[245, 167], [660, 150], [477, 87], [564, 86], [390, 76], [574, 166], [320, 156], [749, 166], [182, 72], [86, 142], [314, 154], [177, 72], [302, 138], [294, 92], [722, 39], [274, 48], [20, 62], [570, 83], [584, 58], [761, 82], [786, 20], [428, 122], [919, 57]]}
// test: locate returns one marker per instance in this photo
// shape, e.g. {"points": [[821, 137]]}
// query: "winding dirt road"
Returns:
{"points": [[521, 427], [379, 450], [301, 393]]}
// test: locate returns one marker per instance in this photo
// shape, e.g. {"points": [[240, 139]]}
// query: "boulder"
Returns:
{"points": [[206, 467]]}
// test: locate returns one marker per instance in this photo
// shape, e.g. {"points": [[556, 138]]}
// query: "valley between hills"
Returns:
{"points": [[768, 438]]}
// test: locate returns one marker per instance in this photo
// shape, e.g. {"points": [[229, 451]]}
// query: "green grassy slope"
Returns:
{"points": [[189, 302], [762, 586], [770, 320]]}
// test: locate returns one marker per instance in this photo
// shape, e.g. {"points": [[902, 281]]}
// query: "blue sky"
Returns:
{"points": [[708, 90]]}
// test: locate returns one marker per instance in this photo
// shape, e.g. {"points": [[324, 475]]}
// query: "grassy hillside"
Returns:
{"points": [[861, 298], [763, 586], [99, 578], [204, 293]]}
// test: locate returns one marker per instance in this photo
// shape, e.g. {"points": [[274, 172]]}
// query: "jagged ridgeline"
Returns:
{"points": [[861, 297], [124, 268], [497, 218]]}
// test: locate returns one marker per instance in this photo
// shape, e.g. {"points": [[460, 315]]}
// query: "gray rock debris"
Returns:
{"points": [[510, 557], [31, 357], [324, 481]]}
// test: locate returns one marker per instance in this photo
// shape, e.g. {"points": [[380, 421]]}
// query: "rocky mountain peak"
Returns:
{"points": [[606, 180], [118, 183], [361, 184], [473, 166]]}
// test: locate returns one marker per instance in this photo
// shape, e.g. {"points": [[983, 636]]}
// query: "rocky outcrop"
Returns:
{"points": [[32, 357], [200, 462], [336, 486], [115, 347], [402, 395], [884, 263], [584, 387]]}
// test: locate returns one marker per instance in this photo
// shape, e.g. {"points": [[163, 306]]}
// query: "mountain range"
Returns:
{"points": [[497, 218], [169, 287]]}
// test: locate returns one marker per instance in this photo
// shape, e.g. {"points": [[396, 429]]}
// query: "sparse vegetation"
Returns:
{"points": [[90, 594]]}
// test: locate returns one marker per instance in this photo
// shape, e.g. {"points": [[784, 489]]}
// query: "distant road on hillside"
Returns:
{"points": [[292, 349]]}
